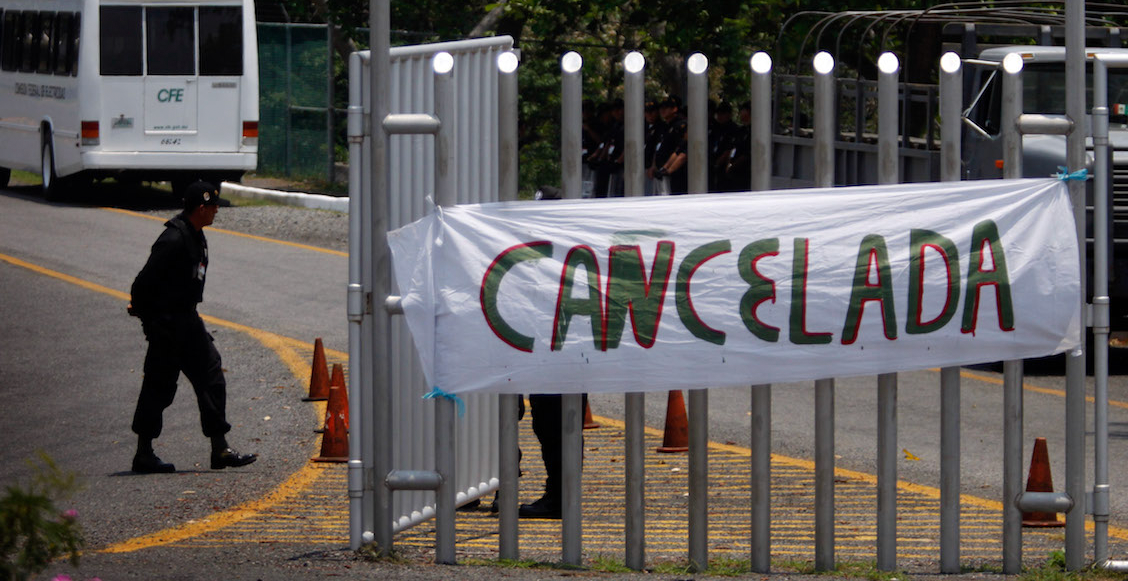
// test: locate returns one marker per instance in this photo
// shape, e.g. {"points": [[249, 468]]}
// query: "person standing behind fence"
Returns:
{"points": [[164, 296], [722, 140], [738, 166], [654, 130], [670, 175], [547, 412]]}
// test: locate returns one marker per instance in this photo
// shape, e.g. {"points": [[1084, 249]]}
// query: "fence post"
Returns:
{"points": [[355, 294], [445, 195], [508, 453], [1012, 370], [571, 125], [889, 173], [571, 404], [1100, 308], [951, 99], [634, 403], [571, 460], [1075, 360], [761, 431], [825, 133], [698, 182], [377, 434]]}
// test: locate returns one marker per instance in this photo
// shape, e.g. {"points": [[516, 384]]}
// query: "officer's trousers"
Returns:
{"points": [[547, 422], [179, 343]]}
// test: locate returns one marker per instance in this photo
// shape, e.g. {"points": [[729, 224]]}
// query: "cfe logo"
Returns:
{"points": [[170, 95]]}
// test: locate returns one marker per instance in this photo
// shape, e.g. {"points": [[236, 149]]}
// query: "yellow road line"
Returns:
{"points": [[809, 465], [286, 348], [1034, 388]]}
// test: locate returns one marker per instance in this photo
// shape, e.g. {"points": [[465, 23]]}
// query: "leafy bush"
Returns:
{"points": [[33, 532]]}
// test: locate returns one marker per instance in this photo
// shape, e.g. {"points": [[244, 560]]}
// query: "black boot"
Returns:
{"points": [[544, 507], [229, 458], [147, 462]]}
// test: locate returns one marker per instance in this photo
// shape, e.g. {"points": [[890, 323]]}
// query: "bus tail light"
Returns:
{"points": [[250, 133], [90, 133]]}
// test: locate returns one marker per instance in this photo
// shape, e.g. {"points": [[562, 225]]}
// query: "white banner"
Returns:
{"points": [[722, 290]]}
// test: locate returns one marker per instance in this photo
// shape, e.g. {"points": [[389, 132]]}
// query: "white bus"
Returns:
{"points": [[156, 90]]}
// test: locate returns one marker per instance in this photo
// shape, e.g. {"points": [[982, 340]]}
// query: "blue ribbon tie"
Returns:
{"points": [[1065, 176], [437, 392]]}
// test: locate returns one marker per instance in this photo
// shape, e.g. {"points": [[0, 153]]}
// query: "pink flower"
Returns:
{"points": [[69, 514], [62, 578]]}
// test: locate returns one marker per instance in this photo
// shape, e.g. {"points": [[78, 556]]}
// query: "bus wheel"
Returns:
{"points": [[52, 185], [5, 175]]}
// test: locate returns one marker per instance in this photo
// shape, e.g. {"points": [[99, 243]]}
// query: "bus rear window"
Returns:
{"points": [[10, 47], [171, 40], [120, 31], [221, 40]]}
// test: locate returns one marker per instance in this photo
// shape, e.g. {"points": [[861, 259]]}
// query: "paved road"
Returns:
{"points": [[69, 368]]}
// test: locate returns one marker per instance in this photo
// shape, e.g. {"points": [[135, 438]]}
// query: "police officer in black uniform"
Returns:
{"points": [[164, 297]]}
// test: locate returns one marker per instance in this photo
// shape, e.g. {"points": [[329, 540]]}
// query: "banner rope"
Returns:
{"points": [[1065, 175], [437, 392]]}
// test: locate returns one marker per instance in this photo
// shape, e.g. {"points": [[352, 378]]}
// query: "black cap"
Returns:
{"points": [[672, 101], [200, 193]]}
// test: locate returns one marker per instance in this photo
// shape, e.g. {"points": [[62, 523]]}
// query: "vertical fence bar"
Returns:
{"points": [[825, 132], [1075, 360], [889, 172], [572, 404], [355, 294], [698, 123], [571, 444], [698, 181], [508, 452], [761, 102], [445, 195], [1100, 311], [1011, 108], [378, 433], [635, 533], [507, 103], [951, 98], [634, 403], [699, 479], [761, 431], [571, 125]]}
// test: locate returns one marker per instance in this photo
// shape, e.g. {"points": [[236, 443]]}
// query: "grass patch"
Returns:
{"points": [[370, 552], [238, 202], [850, 569], [1053, 569]]}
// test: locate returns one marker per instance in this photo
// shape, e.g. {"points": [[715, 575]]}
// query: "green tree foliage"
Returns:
{"points": [[667, 32]]}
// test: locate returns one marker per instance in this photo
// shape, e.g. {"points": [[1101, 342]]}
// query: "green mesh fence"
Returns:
{"points": [[293, 95]]}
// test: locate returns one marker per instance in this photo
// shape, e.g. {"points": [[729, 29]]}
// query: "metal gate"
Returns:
{"points": [[374, 473]]}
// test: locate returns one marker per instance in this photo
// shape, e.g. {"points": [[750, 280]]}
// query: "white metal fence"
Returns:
{"points": [[396, 450], [411, 191]]}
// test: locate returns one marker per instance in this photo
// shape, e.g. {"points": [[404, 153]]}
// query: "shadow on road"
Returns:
{"points": [[1054, 365], [104, 194]]}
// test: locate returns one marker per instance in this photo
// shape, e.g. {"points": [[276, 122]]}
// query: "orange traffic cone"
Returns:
{"points": [[676, 437], [340, 391], [319, 374], [335, 440], [589, 423], [1040, 480], [337, 380]]}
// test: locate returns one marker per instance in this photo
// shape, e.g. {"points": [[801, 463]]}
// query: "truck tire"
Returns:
{"points": [[53, 188]]}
